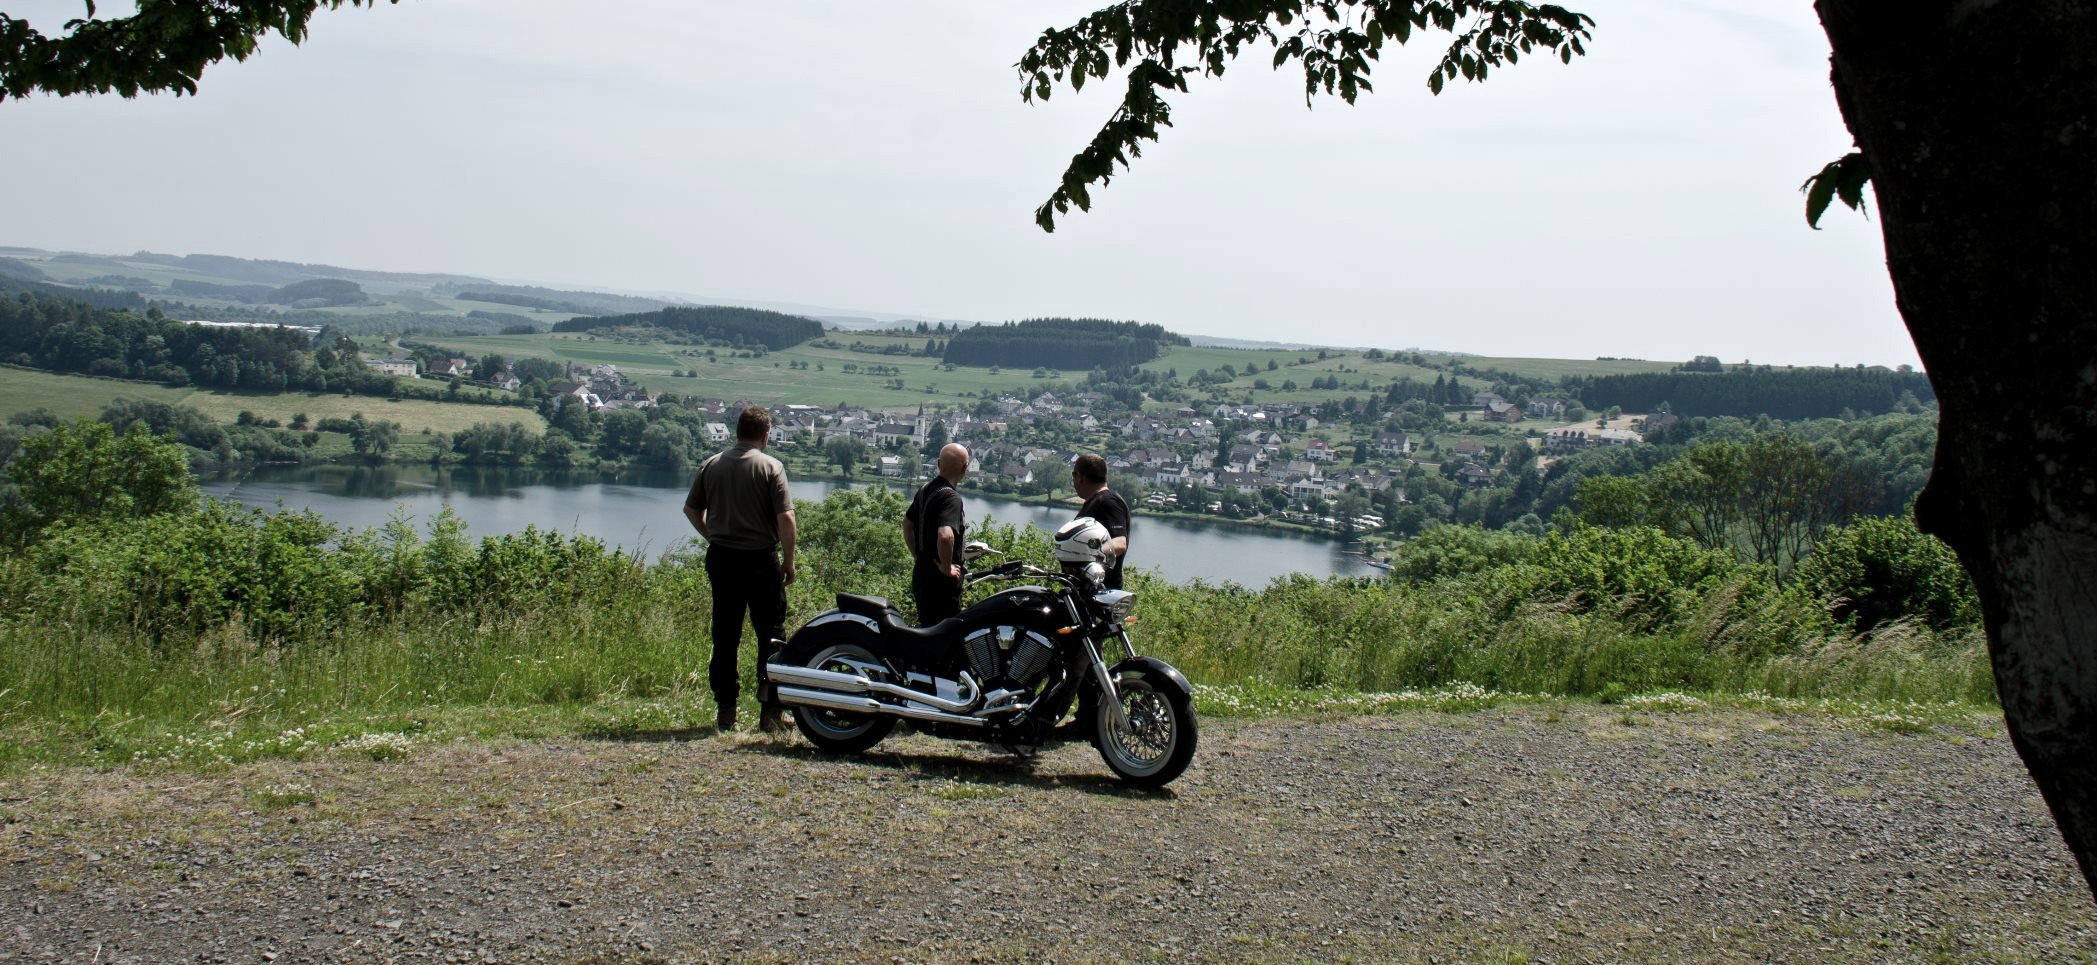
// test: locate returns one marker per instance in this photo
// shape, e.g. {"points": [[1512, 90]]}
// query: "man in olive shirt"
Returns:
{"points": [[933, 529], [739, 504]]}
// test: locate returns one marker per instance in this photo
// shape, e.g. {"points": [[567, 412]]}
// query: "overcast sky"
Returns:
{"points": [[1641, 202]]}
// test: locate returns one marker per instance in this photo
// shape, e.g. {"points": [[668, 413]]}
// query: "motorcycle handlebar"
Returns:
{"points": [[1009, 569]]}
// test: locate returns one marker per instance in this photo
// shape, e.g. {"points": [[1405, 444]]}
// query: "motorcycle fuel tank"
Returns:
{"points": [[1022, 606]]}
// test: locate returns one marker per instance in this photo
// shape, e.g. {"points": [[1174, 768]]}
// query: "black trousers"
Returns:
{"points": [[742, 579], [938, 597]]}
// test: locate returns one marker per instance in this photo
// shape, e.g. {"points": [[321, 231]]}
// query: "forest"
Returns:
{"points": [[1748, 391], [552, 299], [719, 323], [1059, 343]]}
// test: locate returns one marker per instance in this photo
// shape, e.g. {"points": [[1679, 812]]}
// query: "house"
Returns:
{"points": [[1617, 437], [1391, 444], [891, 466], [1318, 450], [506, 381], [1568, 438], [402, 368], [1501, 410], [1483, 399], [717, 432], [888, 432], [1476, 477], [446, 368], [1546, 408]]}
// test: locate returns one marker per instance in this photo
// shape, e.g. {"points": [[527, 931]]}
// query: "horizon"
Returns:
{"points": [[831, 317], [1639, 202]]}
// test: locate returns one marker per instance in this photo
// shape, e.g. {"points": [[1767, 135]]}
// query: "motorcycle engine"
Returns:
{"points": [[1014, 655]]}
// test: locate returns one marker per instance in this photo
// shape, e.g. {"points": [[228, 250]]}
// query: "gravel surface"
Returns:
{"points": [[1518, 834]]}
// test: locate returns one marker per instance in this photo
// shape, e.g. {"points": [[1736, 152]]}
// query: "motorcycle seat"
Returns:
{"points": [[872, 607]]}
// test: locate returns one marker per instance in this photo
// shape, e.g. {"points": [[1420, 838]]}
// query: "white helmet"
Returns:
{"points": [[1082, 540]]}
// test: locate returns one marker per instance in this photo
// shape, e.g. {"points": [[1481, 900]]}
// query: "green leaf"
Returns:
{"points": [[1819, 189], [1844, 178]]}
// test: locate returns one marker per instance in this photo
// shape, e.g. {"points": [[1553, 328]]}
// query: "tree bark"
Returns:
{"points": [[1979, 120]]}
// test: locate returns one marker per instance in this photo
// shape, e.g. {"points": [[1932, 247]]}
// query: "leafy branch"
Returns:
{"points": [[164, 46], [1335, 42], [1843, 179]]}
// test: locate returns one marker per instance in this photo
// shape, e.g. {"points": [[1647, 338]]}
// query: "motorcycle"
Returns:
{"points": [[1005, 671]]}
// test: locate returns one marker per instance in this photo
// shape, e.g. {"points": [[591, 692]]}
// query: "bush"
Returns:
{"points": [[1451, 551], [1878, 570], [83, 471]]}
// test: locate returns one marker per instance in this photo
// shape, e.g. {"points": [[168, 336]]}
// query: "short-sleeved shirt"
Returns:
{"points": [[742, 492], [1107, 508], [935, 505]]}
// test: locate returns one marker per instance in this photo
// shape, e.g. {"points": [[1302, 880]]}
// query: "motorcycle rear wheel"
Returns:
{"points": [[839, 731], [1159, 743]]}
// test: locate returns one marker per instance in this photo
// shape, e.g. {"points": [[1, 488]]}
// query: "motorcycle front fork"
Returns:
{"points": [[1106, 680]]}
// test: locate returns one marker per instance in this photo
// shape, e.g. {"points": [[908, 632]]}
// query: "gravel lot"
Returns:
{"points": [[1519, 834]]}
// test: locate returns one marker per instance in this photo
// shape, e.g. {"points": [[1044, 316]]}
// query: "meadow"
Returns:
{"points": [[221, 635], [81, 396], [775, 377]]}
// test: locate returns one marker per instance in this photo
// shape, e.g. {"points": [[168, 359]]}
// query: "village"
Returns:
{"points": [[1302, 464]]}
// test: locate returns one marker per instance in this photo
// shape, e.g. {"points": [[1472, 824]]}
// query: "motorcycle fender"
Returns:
{"points": [[830, 627], [1155, 669]]}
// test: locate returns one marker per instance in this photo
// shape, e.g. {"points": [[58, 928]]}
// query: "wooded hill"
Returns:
{"points": [[1750, 391], [553, 299], [1059, 343], [723, 323]]}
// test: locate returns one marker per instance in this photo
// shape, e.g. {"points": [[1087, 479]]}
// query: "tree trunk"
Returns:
{"points": [[1979, 120]]}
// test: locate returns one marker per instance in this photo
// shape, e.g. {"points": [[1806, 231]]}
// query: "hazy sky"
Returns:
{"points": [[876, 157]]}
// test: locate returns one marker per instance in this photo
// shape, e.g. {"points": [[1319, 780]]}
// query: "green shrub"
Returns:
{"points": [[1451, 551], [1881, 569]]}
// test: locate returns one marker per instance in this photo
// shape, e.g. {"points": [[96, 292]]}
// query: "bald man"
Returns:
{"points": [[933, 529]]}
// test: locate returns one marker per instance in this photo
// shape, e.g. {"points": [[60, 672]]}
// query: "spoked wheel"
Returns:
{"points": [[1159, 741], [840, 731]]}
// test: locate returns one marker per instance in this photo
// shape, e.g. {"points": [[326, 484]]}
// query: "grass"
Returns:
{"points": [[153, 644], [78, 396], [774, 379]]}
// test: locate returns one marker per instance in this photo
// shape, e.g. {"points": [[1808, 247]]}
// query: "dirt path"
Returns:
{"points": [[1510, 835]]}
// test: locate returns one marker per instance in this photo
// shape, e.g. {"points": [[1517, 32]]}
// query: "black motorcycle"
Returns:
{"points": [[1005, 671]]}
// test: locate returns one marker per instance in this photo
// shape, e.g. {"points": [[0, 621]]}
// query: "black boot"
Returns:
{"points": [[724, 718]]}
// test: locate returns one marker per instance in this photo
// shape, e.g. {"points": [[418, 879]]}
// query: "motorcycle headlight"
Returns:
{"points": [[1119, 604]]}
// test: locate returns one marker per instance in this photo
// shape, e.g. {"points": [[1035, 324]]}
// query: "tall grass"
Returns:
{"points": [[249, 625]]}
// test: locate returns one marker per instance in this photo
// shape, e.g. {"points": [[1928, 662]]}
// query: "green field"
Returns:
{"points": [[768, 380], [773, 378], [76, 396]]}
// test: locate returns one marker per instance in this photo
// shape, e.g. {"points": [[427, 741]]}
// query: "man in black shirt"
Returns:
{"points": [[933, 529], [1089, 476]]}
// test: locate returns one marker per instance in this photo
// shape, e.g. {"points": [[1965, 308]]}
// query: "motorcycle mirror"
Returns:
{"points": [[977, 549]]}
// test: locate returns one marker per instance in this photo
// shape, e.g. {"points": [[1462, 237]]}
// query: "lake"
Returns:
{"points": [[641, 511]]}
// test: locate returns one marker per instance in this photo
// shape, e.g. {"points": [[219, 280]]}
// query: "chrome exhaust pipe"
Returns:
{"points": [[832, 700], [847, 683]]}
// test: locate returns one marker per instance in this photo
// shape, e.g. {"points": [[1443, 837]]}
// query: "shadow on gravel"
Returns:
{"points": [[668, 735], [1010, 771]]}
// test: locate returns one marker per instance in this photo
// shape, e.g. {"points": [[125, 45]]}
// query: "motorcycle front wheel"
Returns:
{"points": [[839, 731], [1159, 741]]}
